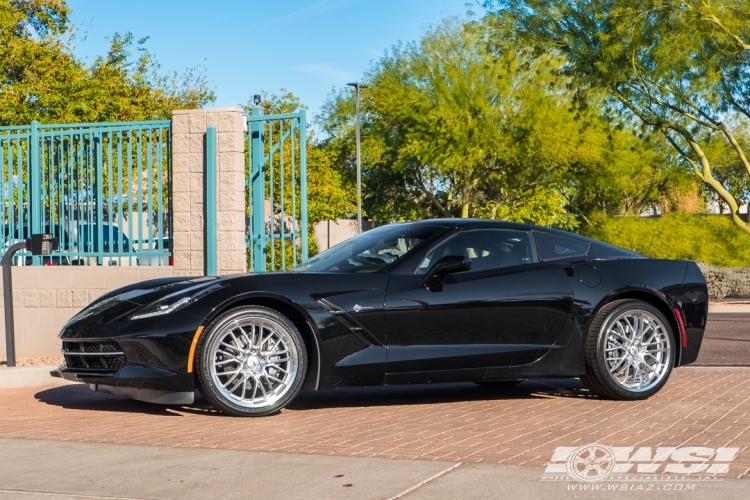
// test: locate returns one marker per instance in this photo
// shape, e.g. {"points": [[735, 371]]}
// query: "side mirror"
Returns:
{"points": [[446, 265]]}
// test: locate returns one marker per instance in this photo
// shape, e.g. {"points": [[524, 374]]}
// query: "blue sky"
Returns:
{"points": [[247, 46]]}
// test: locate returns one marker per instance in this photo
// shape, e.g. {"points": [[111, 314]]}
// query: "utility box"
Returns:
{"points": [[42, 244]]}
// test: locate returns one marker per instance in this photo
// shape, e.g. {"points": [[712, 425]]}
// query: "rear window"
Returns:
{"points": [[554, 246]]}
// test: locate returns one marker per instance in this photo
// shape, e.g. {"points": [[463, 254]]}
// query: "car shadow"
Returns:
{"points": [[80, 397], [426, 394]]}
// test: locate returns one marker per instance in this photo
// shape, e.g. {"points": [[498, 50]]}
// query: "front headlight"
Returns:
{"points": [[176, 301], [97, 307]]}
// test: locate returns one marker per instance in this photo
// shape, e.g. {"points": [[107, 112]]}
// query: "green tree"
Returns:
{"points": [[40, 79], [679, 67], [636, 174], [452, 129]]}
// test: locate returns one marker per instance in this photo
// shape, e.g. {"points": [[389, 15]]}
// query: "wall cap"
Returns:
{"points": [[209, 110]]}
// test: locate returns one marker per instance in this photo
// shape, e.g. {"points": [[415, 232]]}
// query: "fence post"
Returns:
{"points": [[100, 199], [189, 176], [303, 179], [257, 195], [35, 186], [210, 204]]}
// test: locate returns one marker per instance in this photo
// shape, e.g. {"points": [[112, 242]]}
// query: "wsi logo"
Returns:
{"points": [[596, 462]]}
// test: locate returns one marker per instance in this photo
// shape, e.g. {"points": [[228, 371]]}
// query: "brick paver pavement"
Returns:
{"points": [[456, 422]]}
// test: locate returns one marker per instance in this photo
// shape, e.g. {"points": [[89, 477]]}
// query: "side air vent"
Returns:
{"points": [[349, 322]]}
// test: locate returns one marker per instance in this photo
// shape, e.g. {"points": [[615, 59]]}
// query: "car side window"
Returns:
{"points": [[487, 249], [555, 246]]}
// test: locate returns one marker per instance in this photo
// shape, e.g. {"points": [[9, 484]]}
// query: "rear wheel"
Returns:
{"points": [[250, 362], [630, 351]]}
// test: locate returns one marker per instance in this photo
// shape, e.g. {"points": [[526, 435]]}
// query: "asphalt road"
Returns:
{"points": [[727, 340]]}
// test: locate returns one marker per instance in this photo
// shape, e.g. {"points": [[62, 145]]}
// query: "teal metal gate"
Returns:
{"points": [[276, 184], [103, 189]]}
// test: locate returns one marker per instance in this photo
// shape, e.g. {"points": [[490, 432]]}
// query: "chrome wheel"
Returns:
{"points": [[637, 350], [254, 361]]}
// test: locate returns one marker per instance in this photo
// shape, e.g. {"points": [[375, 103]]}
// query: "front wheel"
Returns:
{"points": [[250, 362], [630, 351]]}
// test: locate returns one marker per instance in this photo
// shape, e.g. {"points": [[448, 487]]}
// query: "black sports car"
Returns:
{"points": [[432, 301]]}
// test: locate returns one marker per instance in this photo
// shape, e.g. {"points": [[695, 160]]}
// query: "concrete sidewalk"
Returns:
{"points": [[29, 376], [31, 470]]}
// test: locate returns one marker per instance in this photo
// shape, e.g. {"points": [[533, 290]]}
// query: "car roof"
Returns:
{"points": [[602, 249], [475, 223]]}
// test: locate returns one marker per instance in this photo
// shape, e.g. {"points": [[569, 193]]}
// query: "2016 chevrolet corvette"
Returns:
{"points": [[432, 301]]}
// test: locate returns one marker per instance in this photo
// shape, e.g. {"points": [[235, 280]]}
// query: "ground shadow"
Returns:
{"points": [[425, 394], [80, 397]]}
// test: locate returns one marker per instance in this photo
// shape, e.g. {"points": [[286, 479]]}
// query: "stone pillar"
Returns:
{"points": [[188, 174]]}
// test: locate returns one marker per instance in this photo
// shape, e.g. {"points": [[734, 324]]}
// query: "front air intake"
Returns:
{"points": [[101, 356]]}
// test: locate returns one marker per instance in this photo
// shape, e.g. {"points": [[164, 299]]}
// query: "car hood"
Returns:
{"points": [[128, 299]]}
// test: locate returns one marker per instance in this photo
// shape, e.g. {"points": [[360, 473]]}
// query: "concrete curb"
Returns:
{"points": [[719, 308], [716, 368], [29, 376]]}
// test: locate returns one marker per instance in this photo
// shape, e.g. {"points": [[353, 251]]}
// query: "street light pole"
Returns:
{"points": [[357, 86]]}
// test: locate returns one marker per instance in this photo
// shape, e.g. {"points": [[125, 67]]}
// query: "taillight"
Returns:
{"points": [[171, 260], [681, 324]]}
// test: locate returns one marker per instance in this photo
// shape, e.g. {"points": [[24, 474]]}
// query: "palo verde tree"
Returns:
{"points": [[680, 67]]}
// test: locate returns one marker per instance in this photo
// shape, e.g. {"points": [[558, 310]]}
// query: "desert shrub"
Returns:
{"points": [[726, 281]]}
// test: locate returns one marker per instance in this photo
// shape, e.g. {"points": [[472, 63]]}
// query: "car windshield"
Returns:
{"points": [[371, 251]]}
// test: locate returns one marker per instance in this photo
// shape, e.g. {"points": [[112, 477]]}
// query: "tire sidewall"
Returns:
{"points": [[206, 383], [607, 377]]}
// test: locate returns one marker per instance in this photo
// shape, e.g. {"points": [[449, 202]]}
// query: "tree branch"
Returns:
{"points": [[435, 202], [732, 100], [709, 179], [684, 155], [659, 102], [737, 40], [736, 146]]}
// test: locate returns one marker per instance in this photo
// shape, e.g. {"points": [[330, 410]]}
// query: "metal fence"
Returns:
{"points": [[276, 184], [102, 189]]}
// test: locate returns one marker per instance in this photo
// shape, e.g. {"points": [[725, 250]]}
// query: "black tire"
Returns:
{"points": [[499, 384], [209, 379], [599, 379]]}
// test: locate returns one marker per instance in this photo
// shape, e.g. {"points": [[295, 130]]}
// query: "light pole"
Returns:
{"points": [[357, 87]]}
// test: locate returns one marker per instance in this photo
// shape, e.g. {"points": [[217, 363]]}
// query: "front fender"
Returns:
{"points": [[295, 312]]}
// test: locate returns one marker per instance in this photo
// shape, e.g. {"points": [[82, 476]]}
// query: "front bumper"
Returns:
{"points": [[145, 383], [151, 356]]}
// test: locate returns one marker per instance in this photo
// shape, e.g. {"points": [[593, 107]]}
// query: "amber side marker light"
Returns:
{"points": [[681, 325], [191, 357]]}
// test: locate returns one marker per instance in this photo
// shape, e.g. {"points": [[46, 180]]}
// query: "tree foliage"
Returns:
{"points": [[40, 79], [451, 128], [679, 67]]}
